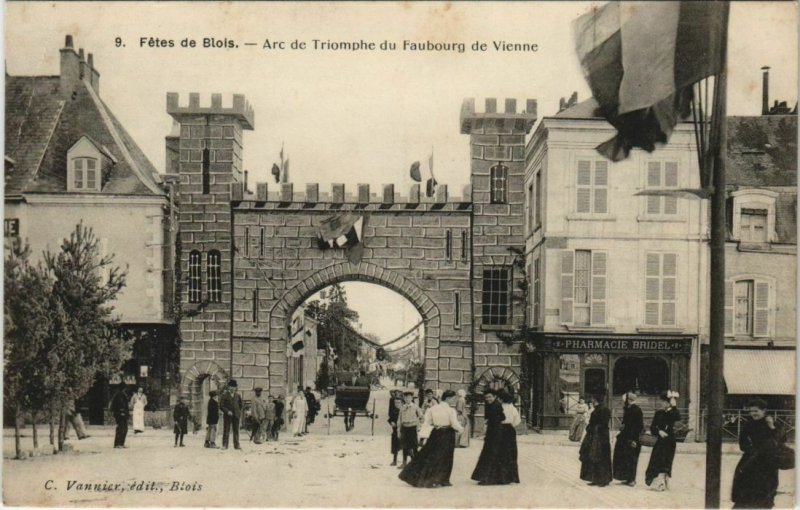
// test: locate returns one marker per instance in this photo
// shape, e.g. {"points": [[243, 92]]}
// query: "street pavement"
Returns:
{"points": [[321, 470]]}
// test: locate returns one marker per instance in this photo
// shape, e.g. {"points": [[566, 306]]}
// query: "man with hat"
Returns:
{"points": [[120, 409], [259, 415], [231, 406], [212, 418]]}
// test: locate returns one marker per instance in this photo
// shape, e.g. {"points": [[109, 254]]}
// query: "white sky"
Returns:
{"points": [[362, 117]]}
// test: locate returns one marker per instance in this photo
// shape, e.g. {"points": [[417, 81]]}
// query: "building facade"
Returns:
{"points": [[761, 264], [68, 160], [616, 287]]}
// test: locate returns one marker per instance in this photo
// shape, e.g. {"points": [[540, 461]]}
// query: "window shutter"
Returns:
{"points": [[567, 285], [670, 174], [598, 287], [584, 191], [653, 181], [729, 308], [601, 183], [668, 288], [652, 289], [761, 323]]}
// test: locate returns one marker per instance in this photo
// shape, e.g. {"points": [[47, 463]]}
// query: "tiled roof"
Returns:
{"points": [[762, 150], [41, 127]]}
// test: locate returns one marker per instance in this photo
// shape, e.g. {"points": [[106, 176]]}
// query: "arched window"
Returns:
{"points": [[214, 277], [195, 290]]}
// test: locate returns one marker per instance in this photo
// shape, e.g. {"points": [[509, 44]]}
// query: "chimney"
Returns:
{"points": [[94, 76], [70, 71], [765, 92]]}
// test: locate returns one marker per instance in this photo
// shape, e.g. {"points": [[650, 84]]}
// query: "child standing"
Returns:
{"points": [[181, 417]]}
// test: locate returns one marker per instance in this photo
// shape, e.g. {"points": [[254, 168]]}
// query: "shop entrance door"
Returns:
{"points": [[594, 382]]}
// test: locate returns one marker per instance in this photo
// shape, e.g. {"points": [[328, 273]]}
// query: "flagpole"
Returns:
{"points": [[716, 348]]}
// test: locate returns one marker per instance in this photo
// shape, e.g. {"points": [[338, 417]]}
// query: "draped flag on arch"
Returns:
{"points": [[641, 60], [342, 231]]}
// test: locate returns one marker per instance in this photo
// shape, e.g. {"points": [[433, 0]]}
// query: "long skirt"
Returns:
{"points": [[577, 428], [395, 440], [138, 417], [661, 459], [298, 425], [495, 462], [626, 459], [595, 456], [462, 439], [755, 481], [432, 465]]}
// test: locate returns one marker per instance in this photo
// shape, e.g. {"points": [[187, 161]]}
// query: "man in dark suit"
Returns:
{"points": [[231, 406], [121, 411]]}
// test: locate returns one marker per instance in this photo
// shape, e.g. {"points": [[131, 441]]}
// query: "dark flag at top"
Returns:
{"points": [[641, 60]]}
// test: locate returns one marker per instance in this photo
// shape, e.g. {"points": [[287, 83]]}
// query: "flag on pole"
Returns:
{"points": [[430, 185], [641, 60], [285, 171], [276, 173]]}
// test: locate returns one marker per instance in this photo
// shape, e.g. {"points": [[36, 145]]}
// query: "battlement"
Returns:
{"points": [[490, 121], [285, 197], [240, 108]]}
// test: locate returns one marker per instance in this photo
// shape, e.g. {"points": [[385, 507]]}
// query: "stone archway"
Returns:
{"points": [[498, 378], [344, 272], [197, 381]]}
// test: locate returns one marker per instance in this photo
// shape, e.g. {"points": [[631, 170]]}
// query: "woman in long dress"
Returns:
{"points": [[628, 448], [659, 469], [755, 481], [578, 426], [432, 465], [489, 470], [138, 403], [462, 441], [595, 452]]}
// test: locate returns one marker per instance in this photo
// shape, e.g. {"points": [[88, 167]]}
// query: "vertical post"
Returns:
{"points": [[373, 417], [328, 404], [716, 348]]}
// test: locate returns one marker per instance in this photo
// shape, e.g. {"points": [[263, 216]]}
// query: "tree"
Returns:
{"points": [[26, 326], [85, 335]]}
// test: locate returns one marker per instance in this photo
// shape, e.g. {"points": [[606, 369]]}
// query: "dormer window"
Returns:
{"points": [[754, 216], [85, 174], [87, 166]]}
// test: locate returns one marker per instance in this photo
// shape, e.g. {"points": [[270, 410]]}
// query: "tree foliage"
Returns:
{"points": [[335, 322], [60, 326]]}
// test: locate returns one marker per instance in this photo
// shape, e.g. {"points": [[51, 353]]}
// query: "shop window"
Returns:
{"points": [[569, 381], [497, 296], [214, 277], [643, 375], [662, 175], [592, 187], [747, 308], [583, 288], [194, 277], [660, 289], [499, 184]]}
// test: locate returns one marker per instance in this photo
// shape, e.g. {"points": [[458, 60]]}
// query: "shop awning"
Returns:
{"points": [[760, 372]]}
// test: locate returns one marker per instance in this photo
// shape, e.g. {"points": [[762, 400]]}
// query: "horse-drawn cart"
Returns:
{"points": [[349, 402]]}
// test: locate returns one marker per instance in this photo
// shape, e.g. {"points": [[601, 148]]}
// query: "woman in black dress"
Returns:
{"points": [[628, 448], [492, 462], [595, 452], [755, 481], [394, 416], [432, 465], [659, 469]]}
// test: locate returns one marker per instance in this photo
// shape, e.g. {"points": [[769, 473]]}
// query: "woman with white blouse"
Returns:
{"points": [[432, 465]]}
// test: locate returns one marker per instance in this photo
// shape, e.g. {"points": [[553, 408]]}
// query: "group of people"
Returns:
{"points": [[122, 406], [303, 410], [444, 426], [597, 467]]}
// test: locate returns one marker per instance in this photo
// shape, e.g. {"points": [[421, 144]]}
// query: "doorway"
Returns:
{"points": [[594, 382]]}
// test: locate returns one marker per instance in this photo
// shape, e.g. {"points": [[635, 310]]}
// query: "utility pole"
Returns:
{"points": [[716, 348]]}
